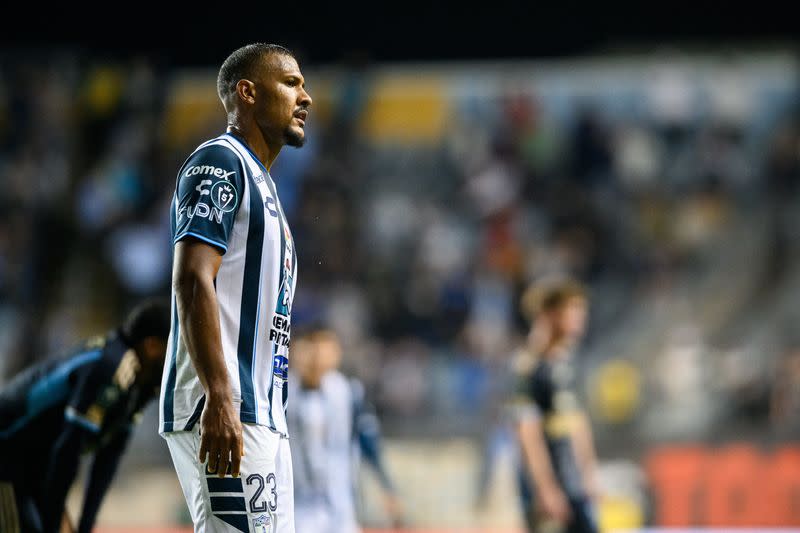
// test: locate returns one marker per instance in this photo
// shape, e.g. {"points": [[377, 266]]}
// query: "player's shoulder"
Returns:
{"points": [[100, 356], [356, 385], [337, 382], [220, 144], [336, 378], [358, 392], [215, 158], [524, 363]]}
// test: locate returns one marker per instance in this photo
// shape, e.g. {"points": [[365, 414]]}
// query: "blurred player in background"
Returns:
{"points": [[86, 401], [223, 399], [331, 425], [557, 456]]}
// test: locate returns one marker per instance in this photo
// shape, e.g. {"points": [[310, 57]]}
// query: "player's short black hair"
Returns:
{"points": [[150, 318], [240, 64]]}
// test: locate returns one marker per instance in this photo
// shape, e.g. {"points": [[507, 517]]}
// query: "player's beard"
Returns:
{"points": [[293, 138]]}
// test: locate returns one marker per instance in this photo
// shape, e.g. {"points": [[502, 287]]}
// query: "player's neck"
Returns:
{"points": [[256, 142]]}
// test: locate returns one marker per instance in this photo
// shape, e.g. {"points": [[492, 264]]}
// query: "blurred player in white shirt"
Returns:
{"points": [[331, 426]]}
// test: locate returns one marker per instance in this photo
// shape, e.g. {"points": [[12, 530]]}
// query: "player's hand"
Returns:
{"points": [[592, 487], [554, 504], [221, 437]]}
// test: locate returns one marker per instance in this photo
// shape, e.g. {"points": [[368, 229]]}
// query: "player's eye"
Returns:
{"points": [[291, 82]]}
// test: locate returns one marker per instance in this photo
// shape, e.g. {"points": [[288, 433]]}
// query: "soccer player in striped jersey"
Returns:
{"points": [[223, 395], [86, 401], [332, 426]]}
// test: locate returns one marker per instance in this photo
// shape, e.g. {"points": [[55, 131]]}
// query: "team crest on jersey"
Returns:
{"points": [[224, 196], [261, 524]]}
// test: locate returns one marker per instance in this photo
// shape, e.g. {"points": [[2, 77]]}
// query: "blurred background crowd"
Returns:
{"points": [[427, 199]]}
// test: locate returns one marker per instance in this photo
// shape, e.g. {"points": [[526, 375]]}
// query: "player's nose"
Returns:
{"points": [[305, 99]]}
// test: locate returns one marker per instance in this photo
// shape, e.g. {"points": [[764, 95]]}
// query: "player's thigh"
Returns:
{"points": [[184, 449], [222, 505], [259, 500], [267, 474], [217, 505]]}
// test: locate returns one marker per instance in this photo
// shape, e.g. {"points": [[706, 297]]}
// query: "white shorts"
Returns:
{"points": [[260, 500]]}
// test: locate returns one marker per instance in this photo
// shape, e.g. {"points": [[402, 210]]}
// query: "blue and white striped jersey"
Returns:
{"points": [[226, 197]]}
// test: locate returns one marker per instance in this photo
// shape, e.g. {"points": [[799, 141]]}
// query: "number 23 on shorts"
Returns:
{"points": [[260, 502]]}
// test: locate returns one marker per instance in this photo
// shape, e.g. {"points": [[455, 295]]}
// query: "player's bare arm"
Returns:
{"points": [[534, 450], [195, 267]]}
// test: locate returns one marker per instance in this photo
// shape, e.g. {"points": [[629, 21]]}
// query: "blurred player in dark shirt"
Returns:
{"points": [[557, 459], [86, 401]]}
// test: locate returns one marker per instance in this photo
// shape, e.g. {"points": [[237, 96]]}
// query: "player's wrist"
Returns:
{"points": [[219, 395]]}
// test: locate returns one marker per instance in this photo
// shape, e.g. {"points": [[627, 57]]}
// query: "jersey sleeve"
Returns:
{"points": [[542, 388], [210, 187], [521, 405]]}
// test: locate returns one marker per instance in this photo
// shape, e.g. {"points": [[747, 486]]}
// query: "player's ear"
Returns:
{"points": [[246, 90]]}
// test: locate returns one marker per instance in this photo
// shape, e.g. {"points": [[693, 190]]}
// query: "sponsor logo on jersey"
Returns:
{"points": [[201, 210], [280, 331], [280, 366], [208, 170], [269, 204], [284, 305], [201, 187]]}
